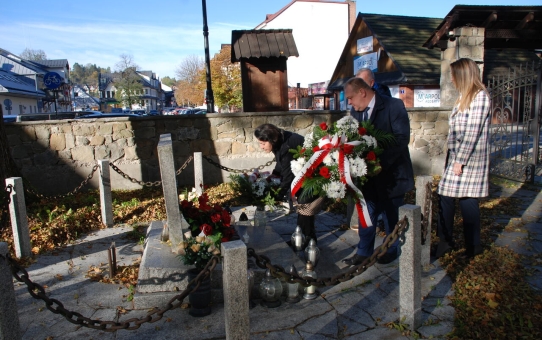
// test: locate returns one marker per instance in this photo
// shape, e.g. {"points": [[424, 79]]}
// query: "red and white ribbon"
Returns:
{"points": [[326, 145]]}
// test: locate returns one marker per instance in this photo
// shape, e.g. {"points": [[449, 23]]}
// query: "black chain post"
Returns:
{"points": [[426, 211]]}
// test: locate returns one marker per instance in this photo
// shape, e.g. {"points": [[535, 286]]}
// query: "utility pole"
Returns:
{"points": [[209, 96]]}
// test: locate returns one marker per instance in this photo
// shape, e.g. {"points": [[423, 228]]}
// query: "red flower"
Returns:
{"points": [[218, 208], [192, 213], [323, 126], [207, 229], [362, 131], [215, 217], [309, 172], [226, 219], [371, 156], [203, 199], [348, 149], [316, 148], [324, 172], [185, 204], [302, 151], [227, 234]]}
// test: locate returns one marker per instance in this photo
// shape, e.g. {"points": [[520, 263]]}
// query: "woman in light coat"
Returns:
{"points": [[466, 171]]}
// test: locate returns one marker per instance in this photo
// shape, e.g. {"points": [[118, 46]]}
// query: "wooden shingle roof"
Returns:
{"points": [[402, 38], [263, 44]]}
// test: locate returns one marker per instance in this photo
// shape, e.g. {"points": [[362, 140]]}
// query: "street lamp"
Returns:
{"points": [[209, 97]]}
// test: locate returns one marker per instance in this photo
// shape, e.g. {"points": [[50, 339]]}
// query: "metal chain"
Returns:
{"points": [[55, 306], [133, 180], [31, 190], [5, 206], [149, 184], [426, 211], [263, 262], [181, 169], [238, 171]]}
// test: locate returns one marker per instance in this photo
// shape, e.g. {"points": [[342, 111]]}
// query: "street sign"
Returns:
{"points": [[52, 80]]}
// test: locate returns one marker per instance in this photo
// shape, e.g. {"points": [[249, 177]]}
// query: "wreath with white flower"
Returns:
{"points": [[335, 161]]}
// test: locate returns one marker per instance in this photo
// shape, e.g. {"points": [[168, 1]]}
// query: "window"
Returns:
{"points": [[146, 91]]}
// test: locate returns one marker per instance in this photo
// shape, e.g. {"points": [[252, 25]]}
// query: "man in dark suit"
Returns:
{"points": [[386, 191]]}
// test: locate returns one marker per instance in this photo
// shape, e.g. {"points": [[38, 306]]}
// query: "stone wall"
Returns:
{"points": [[56, 156]]}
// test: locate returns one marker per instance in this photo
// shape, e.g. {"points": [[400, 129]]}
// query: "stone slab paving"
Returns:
{"points": [[358, 308]]}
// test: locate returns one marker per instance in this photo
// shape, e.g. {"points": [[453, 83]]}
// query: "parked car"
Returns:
{"points": [[138, 112], [153, 113], [98, 114], [10, 118]]}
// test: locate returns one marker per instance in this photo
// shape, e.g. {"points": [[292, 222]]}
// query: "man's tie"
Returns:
{"points": [[365, 114]]}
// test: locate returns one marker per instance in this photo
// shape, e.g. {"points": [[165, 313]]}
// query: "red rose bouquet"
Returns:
{"points": [[209, 226], [335, 161]]}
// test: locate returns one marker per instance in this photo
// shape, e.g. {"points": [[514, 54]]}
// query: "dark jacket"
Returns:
{"points": [[397, 175], [283, 157]]}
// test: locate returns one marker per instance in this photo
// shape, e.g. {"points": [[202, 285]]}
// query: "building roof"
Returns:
{"points": [[402, 38], [263, 44], [53, 63], [505, 26], [270, 17]]}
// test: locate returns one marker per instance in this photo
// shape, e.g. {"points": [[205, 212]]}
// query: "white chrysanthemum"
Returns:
{"points": [[258, 187], [335, 189], [296, 165], [309, 138], [358, 167], [347, 124], [370, 140], [335, 155], [328, 160]]}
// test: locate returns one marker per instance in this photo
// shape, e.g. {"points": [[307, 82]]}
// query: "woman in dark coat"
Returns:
{"points": [[279, 142]]}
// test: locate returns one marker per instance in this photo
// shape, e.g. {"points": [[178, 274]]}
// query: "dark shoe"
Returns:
{"points": [[387, 258], [442, 249], [355, 260], [472, 251]]}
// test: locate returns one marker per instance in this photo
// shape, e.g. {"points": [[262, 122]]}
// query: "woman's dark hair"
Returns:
{"points": [[269, 133]]}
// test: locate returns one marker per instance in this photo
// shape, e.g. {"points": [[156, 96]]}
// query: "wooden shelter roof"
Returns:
{"points": [[505, 26], [263, 44]]}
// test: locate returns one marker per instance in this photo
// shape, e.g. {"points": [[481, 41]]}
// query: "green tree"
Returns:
{"points": [[127, 82], [226, 80], [36, 55], [189, 86], [168, 81]]}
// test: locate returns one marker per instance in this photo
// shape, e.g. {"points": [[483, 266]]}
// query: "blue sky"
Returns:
{"points": [[159, 34]]}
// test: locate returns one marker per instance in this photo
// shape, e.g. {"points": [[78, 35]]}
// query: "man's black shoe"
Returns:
{"points": [[355, 260], [387, 258]]}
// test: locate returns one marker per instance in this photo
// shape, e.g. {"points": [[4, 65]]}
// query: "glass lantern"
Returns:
{"points": [[310, 291], [270, 290], [242, 227], [298, 239], [260, 216], [312, 253], [293, 287]]}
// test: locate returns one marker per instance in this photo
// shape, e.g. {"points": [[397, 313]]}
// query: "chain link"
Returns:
{"points": [[238, 171], [31, 190], [5, 207], [55, 306], [263, 262], [427, 211], [149, 184]]}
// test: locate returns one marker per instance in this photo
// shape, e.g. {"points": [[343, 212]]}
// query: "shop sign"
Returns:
{"points": [[426, 98]]}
